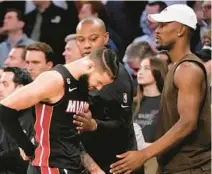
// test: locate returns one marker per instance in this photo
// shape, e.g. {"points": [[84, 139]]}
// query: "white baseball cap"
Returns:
{"points": [[176, 13]]}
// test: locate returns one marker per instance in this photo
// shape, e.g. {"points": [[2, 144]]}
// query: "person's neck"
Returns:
{"points": [[44, 6], [179, 51], [13, 37], [151, 90], [74, 69]]}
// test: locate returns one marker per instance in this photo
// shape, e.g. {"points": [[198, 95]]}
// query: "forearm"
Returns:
{"points": [[10, 122], [88, 162], [174, 136], [123, 120], [108, 125]]}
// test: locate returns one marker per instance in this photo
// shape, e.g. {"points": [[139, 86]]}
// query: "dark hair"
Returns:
{"points": [[162, 5], [107, 59], [21, 76], [20, 15], [44, 48], [24, 50]]}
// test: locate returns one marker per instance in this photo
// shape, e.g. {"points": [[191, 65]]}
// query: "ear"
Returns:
{"points": [[50, 65], [21, 24], [19, 86], [182, 31], [90, 67], [106, 36], [95, 15]]}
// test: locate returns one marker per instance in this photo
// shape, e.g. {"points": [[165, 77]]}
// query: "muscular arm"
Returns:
{"points": [[188, 79], [42, 88]]}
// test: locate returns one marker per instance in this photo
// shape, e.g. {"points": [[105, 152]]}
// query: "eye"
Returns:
{"points": [[93, 38], [81, 39]]}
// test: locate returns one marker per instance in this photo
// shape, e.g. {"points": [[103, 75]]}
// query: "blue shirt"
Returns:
{"points": [[5, 47]]}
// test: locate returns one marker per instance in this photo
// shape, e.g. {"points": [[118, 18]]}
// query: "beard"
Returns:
{"points": [[163, 47]]}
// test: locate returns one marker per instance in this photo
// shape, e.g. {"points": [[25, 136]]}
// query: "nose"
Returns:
{"points": [[29, 67], [87, 44], [99, 87], [64, 53], [6, 63]]}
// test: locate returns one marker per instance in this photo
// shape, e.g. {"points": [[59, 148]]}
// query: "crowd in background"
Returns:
{"points": [[37, 35]]}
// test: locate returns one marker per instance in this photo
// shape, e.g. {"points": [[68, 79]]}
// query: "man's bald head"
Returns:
{"points": [[91, 34], [93, 21]]}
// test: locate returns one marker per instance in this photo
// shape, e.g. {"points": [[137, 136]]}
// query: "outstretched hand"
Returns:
{"points": [[129, 162]]}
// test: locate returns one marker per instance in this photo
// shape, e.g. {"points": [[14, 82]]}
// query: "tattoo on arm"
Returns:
{"points": [[88, 162]]}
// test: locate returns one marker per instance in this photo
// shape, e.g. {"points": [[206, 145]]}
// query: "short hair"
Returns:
{"points": [[44, 48], [92, 20], [20, 15], [108, 61], [162, 5], [21, 76], [23, 47], [139, 50], [70, 37]]}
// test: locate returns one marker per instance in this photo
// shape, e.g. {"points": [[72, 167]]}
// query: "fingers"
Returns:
{"points": [[120, 169], [118, 163], [128, 172], [78, 120], [123, 155], [86, 107]]}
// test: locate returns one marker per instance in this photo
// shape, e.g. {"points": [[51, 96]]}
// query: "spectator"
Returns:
{"points": [[134, 54], [13, 26], [71, 52], [195, 41], [39, 58], [124, 18], [206, 6], [12, 79], [151, 8], [151, 76], [16, 57], [50, 24], [205, 53]]}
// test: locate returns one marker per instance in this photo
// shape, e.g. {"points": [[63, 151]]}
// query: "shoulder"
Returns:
{"points": [[3, 44], [52, 77], [188, 72]]}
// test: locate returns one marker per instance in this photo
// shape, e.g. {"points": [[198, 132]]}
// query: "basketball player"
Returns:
{"points": [[57, 95], [184, 126]]}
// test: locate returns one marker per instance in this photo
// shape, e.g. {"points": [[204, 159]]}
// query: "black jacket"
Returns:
{"points": [[10, 160], [113, 112], [56, 24]]}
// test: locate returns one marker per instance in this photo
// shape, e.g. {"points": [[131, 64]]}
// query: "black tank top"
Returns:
{"points": [[56, 135]]}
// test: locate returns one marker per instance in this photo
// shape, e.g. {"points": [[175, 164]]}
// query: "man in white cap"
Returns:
{"points": [[184, 135]]}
